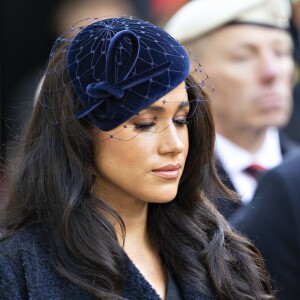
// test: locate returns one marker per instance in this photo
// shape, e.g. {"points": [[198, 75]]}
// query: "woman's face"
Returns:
{"points": [[145, 159]]}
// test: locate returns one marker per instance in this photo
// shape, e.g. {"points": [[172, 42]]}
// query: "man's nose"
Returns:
{"points": [[271, 67]]}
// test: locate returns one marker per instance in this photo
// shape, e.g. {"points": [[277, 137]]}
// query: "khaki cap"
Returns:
{"points": [[198, 17]]}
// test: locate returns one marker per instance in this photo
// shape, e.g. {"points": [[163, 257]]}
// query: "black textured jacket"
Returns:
{"points": [[26, 272]]}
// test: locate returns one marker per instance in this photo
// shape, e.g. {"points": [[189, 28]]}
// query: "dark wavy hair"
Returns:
{"points": [[51, 186]]}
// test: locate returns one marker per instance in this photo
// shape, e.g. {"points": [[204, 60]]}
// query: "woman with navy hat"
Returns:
{"points": [[112, 193]]}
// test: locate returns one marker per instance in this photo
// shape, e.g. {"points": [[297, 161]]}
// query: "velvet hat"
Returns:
{"points": [[120, 66]]}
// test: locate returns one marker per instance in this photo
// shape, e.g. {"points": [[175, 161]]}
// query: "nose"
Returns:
{"points": [[172, 140], [270, 68]]}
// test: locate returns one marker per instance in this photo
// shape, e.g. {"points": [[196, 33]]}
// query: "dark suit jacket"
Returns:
{"points": [[272, 222], [227, 207]]}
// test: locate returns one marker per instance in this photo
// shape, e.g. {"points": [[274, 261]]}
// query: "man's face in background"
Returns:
{"points": [[251, 68]]}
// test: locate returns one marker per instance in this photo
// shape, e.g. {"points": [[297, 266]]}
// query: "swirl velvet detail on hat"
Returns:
{"points": [[120, 66]]}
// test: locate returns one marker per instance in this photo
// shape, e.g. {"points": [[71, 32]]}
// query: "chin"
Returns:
{"points": [[275, 120], [164, 197], [279, 122]]}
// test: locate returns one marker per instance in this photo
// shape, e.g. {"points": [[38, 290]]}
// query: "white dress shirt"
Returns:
{"points": [[235, 159]]}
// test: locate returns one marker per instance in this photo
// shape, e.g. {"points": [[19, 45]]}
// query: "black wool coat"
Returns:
{"points": [[26, 272]]}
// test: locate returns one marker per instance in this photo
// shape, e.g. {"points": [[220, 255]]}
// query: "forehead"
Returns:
{"points": [[178, 97], [242, 35]]}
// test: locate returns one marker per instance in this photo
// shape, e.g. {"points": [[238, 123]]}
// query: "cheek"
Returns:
{"points": [[230, 89], [225, 106], [114, 154], [185, 141], [289, 70], [229, 74]]}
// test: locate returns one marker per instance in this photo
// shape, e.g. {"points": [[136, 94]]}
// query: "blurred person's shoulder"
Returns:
{"points": [[290, 168]]}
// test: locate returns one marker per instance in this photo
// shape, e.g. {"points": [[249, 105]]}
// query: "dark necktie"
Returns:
{"points": [[255, 171]]}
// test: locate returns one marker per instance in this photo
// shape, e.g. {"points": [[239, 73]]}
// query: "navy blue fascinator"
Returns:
{"points": [[120, 66]]}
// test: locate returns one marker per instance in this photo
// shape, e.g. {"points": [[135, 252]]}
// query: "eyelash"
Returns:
{"points": [[145, 126]]}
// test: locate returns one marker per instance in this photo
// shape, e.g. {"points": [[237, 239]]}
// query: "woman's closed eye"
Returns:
{"points": [[144, 126], [180, 121], [144, 123], [159, 124], [156, 124]]}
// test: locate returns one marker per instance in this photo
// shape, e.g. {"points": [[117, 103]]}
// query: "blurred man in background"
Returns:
{"points": [[246, 50]]}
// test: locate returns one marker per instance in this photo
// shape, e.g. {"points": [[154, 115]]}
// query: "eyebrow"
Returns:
{"points": [[181, 105]]}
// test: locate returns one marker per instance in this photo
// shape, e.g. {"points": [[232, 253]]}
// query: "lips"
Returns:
{"points": [[170, 171]]}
